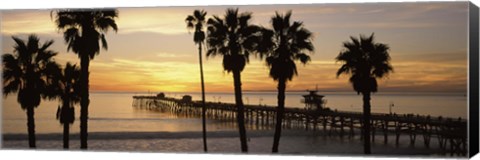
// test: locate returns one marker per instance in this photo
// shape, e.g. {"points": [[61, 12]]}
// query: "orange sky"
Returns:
{"points": [[153, 50]]}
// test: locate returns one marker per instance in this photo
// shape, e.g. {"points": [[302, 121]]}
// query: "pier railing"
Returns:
{"points": [[451, 134]]}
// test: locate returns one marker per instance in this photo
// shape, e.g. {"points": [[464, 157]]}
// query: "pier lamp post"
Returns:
{"points": [[390, 107]]}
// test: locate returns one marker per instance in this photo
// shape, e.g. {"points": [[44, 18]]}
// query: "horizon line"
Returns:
{"points": [[306, 90]]}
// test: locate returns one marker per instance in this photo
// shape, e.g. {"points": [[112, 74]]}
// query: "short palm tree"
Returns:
{"points": [[365, 61], [82, 31], [68, 82], [282, 46], [197, 21], [28, 71], [234, 39]]}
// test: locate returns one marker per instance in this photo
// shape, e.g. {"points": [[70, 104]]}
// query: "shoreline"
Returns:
{"points": [[226, 142], [162, 135]]}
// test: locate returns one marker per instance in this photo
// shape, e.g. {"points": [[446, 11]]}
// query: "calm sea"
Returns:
{"points": [[113, 112]]}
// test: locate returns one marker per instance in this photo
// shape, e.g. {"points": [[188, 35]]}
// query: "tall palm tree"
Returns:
{"points": [[234, 39], [28, 72], [282, 46], [82, 31], [68, 87], [197, 21], [365, 60]]}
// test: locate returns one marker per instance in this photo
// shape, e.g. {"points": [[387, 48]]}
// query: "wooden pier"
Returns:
{"points": [[450, 134]]}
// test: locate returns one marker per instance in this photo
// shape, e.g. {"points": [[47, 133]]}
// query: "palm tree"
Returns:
{"points": [[68, 87], [196, 21], [365, 61], [234, 39], [83, 30], [282, 46], [28, 72]]}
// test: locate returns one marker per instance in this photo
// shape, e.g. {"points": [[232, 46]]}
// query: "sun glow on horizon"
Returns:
{"points": [[154, 51]]}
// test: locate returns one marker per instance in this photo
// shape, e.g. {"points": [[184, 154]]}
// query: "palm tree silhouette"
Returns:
{"points": [[197, 21], [28, 72], [234, 39], [365, 61], [282, 46], [82, 30], [68, 87]]}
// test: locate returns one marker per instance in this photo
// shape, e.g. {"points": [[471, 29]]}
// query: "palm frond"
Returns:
{"points": [[284, 44], [83, 29], [304, 58], [45, 56], [112, 13], [343, 69], [233, 38], [266, 43], [32, 43], [231, 18], [365, 60], [277, 22], [105, 23], [27, 71], [65, 20], [10, 87], [244, 18], [104, 42], [71, 34], [197, 14], [190, 20], [21, 49]]}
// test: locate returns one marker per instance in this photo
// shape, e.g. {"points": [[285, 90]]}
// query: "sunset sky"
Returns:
{"points": [[154, 51]]}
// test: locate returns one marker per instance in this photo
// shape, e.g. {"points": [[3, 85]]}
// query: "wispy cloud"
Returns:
{"points": [[153, 49], [169, 55], [27, 22]]}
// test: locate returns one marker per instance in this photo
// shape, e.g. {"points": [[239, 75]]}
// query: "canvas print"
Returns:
{"points": [[385, 79]]}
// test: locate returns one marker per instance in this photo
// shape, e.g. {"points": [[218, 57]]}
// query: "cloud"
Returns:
{"points": [[153, 49], [27, 21], [158, 20], [169, 55]]}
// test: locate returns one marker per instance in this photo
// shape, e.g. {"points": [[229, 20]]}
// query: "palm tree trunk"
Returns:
{"points": [[240, 109], [66, 133], [65, 119], [280, 113], [366, 122], [204, 128], [84, 102], [31, 126]]}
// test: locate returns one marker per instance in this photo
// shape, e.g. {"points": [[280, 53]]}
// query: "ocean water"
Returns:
{"points": [[113, 112], [114, 125]]}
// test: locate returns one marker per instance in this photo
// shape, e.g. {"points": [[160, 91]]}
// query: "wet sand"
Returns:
{"points": [[293, 142]]}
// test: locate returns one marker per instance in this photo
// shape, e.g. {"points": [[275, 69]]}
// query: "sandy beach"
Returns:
{"points": [[293, 142]]}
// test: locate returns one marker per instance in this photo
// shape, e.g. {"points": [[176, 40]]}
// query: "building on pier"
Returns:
{"points": [[187, 98], [314, 101], [161, 95]]}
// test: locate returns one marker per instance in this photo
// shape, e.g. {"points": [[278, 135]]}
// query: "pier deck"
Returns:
{"points": [[451, 134]]}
